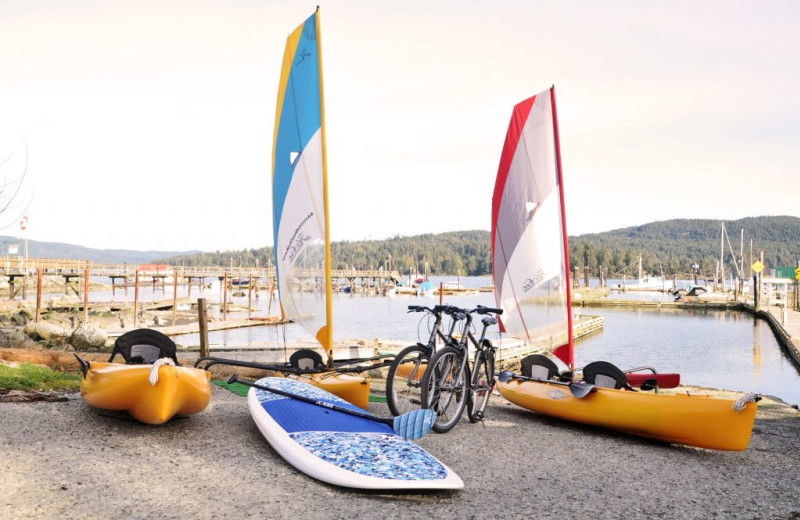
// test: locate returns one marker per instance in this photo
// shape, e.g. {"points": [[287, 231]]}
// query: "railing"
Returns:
{"points": [[19, 266]]}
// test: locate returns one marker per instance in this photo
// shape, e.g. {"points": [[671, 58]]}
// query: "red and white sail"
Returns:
{"points": [[529, 239]]}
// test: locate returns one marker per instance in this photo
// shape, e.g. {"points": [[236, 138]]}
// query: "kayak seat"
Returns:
{"points": [[306, 359], [144, 346], [605, 375], [539, 367]]}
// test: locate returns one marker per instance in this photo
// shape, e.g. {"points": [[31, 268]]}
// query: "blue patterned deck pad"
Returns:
{"points": [[299, 388], [297, 416], [375, 455]]}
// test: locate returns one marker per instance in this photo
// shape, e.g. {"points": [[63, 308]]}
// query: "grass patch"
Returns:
{"points": [[31, 377], [236, 388]]}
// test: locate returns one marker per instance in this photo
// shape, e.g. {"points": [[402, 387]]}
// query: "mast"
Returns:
{"points": [[328, 344], [571, 341], [722, 254]]}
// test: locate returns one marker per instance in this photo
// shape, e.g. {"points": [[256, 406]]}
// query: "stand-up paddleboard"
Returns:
{"points": [[339, 448]]}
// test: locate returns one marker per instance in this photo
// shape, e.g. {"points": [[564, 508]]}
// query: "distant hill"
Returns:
{"points": [[38, 249], [671, 246]]}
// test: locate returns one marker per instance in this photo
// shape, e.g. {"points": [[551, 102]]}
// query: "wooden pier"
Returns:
{"points": [[72, 271]]}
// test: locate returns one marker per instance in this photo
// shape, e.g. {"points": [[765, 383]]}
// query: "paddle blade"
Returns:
{"points": [[505, 376], [84, 364], [581, 389], [414, 424]]}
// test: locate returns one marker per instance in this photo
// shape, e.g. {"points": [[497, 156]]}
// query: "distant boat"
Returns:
{"points": [[648, 283], [454, 287]]}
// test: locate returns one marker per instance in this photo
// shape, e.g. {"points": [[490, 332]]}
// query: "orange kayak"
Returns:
{"points": [[694, 420], [118, 387]]}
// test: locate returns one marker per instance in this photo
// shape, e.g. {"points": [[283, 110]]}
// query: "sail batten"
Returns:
{"points": [[528, 227], [299, 187]]}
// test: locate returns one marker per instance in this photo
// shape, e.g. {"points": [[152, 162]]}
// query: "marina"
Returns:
{"points": [[376, 324], [369, 324]]}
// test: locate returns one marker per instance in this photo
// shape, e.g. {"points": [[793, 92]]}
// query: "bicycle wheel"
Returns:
{"points": [[480, 388], [403, 384], [444, 387]]}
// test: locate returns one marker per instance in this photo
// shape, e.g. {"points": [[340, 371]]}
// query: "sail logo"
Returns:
{"points": [[532, 282], [297, 241], [302, 54]]}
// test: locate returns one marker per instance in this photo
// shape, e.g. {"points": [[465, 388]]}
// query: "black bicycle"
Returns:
{"points": [[403, 381], [449, 385]]}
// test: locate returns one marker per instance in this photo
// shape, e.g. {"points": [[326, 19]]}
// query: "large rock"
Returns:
{"points": [[44, 330], [88, 339], [20, 318]]}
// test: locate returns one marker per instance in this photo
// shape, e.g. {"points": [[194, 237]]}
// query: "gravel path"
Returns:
{"points": [[65, 460]]}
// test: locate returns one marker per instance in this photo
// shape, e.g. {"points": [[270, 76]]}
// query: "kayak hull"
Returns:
{"points": [[118, 387], [350, 387], [694, 420]]}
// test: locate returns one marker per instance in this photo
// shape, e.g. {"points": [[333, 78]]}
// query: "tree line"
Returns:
{"points": [[668, 247]]}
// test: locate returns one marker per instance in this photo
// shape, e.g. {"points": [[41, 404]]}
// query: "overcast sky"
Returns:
{"points": [[148, 124]]}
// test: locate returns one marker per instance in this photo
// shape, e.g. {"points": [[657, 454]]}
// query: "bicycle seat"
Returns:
{"points": [[488, 321]]}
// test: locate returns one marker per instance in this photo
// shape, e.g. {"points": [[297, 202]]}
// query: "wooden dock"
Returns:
{"points": [[652, 304], [545, 339]]}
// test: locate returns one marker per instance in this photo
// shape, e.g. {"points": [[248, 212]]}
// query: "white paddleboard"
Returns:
{"points": [[342, 449]]}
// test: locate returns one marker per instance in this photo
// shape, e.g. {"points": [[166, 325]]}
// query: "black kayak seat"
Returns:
{"points": [[144, 346], [306, 359], [605, 375], [539, 367]]}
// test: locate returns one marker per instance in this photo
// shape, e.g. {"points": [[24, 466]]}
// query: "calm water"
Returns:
{"points": [[719, 349]]}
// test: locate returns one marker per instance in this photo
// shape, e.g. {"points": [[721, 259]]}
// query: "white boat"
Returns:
{"points": [[647, 282]]}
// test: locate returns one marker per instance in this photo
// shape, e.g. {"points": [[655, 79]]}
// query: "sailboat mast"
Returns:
{"points": [[567, 278], [328, 276]]}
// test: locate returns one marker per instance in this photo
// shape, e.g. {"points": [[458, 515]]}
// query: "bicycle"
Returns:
{"points": [[448, 386], [409, 366]]}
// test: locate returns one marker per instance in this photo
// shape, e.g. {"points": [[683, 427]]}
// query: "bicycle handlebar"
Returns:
{"points": [[487, 310]]}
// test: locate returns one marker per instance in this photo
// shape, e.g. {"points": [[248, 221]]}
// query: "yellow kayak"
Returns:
{"points": [[347, 385], [694, 420], [350, 387], [151, 393]]}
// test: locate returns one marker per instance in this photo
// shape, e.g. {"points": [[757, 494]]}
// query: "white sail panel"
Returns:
{"points": [[300, 242], [528, 242]]}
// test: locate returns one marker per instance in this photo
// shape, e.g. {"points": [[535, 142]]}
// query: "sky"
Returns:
{"points": [[148, 125]]}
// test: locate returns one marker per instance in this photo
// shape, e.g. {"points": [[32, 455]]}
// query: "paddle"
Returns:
{"points": [[579, 389], [411, 425]]}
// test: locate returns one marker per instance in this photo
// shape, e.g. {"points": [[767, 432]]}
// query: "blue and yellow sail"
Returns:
{"points": [[300, 187]]}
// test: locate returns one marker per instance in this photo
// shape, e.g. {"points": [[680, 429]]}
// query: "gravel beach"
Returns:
{"points": [[67, 460]]}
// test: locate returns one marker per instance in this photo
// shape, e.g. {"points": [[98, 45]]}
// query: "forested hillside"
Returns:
{"points": [[671, 246]]}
